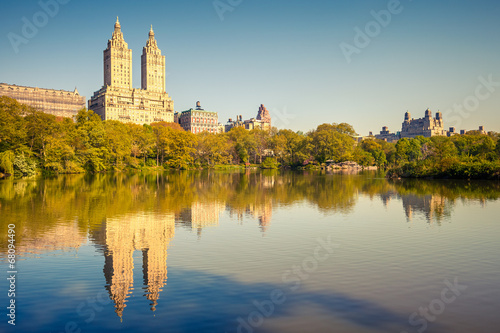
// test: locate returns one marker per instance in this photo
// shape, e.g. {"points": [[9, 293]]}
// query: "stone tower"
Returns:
{"points": [[264, 114], [118, 61], [152, 66], [118, 100]]}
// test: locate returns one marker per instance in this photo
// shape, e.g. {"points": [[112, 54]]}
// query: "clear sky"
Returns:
{"points": [[289, 55]]}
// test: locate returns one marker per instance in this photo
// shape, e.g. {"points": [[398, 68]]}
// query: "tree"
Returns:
{"points": [[91, 148], [180, 148], [262, 143], [292, 148], [242, 144], [363, 157], [118, 142], [59, 156], [213, 149], [374, 147], [330, 144], [12, 124], [39, 128], [143, 140]]}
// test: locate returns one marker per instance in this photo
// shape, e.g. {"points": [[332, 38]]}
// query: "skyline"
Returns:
{"points": [[289, 56]]}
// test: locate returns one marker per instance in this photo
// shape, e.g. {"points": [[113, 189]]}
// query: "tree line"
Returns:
{"points": [[31, 140]]}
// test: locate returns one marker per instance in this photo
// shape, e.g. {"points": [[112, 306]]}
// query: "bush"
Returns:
{"points": [[270, 163], [7, 162], [23, 165]]}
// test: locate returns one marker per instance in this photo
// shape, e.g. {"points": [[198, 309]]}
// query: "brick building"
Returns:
{"points": [[198, 120]]}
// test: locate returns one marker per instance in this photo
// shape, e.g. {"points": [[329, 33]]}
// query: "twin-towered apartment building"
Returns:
{"points": [[117, 99]]}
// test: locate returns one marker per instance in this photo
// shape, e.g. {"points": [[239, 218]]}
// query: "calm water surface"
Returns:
{"points": [[251, 252]]}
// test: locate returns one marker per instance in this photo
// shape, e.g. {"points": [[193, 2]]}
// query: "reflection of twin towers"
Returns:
{"points": [[149, 233], [119, 237]]}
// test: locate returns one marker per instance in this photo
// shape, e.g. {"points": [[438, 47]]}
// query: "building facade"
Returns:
{"points": [[60, 103], [386, 135], [426, 127], [117, 99], [198, 120], [262, 121]]}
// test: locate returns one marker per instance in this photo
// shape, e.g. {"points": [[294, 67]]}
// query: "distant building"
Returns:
{"points": [[386, 135], [478, 131], [61, 103], [117, 100], [234, 123], [198, 120], [262, 121], [426, 127], [452, 131]]}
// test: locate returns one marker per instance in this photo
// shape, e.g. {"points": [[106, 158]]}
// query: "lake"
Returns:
{"points": [[250, 251]]}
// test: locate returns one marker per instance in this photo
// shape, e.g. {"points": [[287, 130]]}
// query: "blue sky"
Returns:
{"points": [[286, 55]]}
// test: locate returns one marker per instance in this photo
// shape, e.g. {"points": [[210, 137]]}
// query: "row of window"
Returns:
{"points": [[199, 130], [198, 120]]}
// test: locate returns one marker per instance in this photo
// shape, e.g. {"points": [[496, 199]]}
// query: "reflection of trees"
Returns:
{"points": [[39, 206], [435, 198]]}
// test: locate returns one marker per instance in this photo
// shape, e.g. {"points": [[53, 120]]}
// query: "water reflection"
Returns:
{"points": [[120, 237], [201, 214], [122, 214], [74, 206]]}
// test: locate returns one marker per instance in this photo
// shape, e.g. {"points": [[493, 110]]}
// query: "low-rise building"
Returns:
{"points": [[198, 120], [262, 121], [60, 103], [386, 135]]}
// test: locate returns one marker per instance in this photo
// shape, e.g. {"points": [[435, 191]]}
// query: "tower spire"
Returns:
{"points": [[117, 24]]}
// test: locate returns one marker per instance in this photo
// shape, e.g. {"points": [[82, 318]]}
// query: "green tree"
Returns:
{"points": [[118, 142], [212, 149], [290, 147], [91, 148], [40, 127], [12, 124], [330, 144], [241, 143]]}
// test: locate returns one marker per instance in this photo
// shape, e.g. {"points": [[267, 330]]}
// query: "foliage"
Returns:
{"points": [[270, 163], [7, 162], [24, 165], [30, 139], [329, 142], [471, 156]]}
